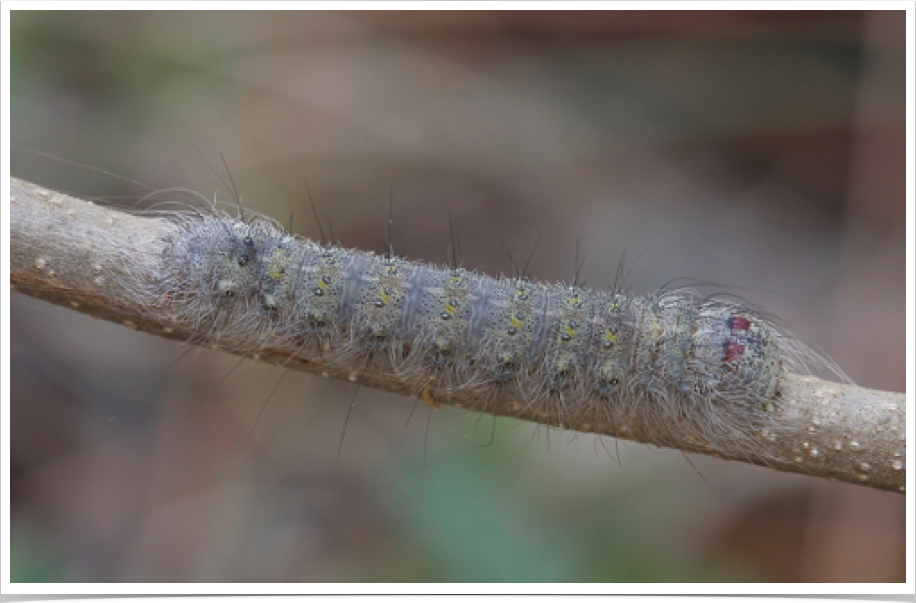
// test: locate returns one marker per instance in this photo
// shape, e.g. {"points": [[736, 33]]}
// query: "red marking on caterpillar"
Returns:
{"points": [[734, 351], [740, 323]]}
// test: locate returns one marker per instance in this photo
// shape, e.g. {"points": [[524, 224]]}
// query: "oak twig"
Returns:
{"points": [[70, 252]]}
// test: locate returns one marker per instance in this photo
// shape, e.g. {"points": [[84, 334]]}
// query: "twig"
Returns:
{"points": [[71, 253]]}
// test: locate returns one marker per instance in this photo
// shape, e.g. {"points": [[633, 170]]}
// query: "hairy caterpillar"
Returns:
{"points": [[706, 369]]}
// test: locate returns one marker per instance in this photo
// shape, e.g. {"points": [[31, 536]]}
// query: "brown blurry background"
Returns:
{"points": [[760, 150]]}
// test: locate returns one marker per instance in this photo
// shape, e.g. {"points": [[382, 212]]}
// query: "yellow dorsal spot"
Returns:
{"points": [[610, 336], [574, 302], [383, 294], [569, 330], [517, 320], [278, 266]]}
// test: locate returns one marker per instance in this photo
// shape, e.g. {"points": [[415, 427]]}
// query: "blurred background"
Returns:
{"points": [[760, 150]]}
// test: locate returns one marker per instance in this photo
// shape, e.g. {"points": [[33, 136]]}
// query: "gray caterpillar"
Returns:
{"points": [[704, 368]]}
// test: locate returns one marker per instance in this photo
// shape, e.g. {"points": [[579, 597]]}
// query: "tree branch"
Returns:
{"points": [[72, 253]]}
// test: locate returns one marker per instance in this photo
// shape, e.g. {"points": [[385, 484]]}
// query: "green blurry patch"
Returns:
{"points": [[31, 558], [504, 514]]}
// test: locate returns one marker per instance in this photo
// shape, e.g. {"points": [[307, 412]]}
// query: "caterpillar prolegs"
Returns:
{"points": [[707, 368]]}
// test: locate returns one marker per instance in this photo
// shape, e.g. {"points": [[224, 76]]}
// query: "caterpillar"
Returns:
{"points": [[690, 367]]}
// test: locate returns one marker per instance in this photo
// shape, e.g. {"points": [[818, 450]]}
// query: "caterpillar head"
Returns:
{"points": [[218, 261]]}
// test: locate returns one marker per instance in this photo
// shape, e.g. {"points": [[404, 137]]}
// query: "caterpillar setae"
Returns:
{"points": [[702, 368]]}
